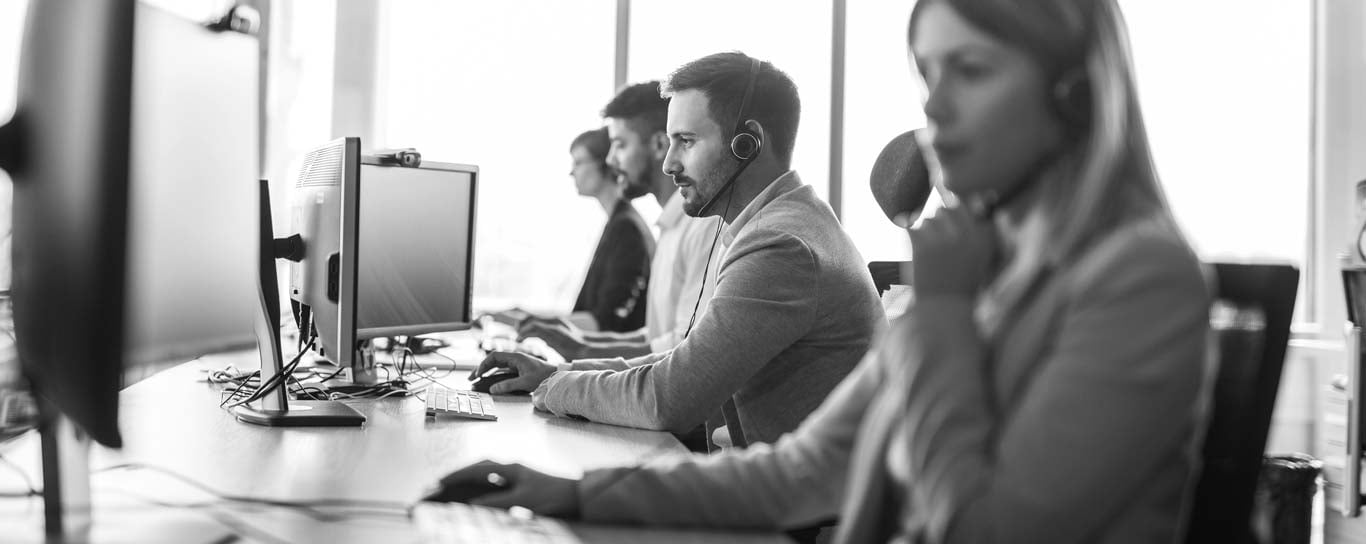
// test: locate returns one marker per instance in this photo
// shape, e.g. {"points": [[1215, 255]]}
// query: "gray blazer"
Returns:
{"points": [[1077, 422], [793, 313]]}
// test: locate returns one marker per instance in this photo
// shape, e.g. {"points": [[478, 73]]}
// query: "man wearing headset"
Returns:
{"points": [[635, 122], [794, 308]]}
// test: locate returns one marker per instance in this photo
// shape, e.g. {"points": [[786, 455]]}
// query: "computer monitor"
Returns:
{"points": [[416, 247], [275, 408], [130, 152], [325, 214]]}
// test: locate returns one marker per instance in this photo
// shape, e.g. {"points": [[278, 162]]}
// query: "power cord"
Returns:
{"points": [[702, 288], [309, 508], [265, 388], [32, 490]]}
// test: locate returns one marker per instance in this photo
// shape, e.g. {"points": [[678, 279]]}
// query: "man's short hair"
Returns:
{"points": [[722, 77], [641, 106]]}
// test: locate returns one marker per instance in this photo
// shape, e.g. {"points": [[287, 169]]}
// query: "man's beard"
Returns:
{"points": [[693, 207], [631, 190]]}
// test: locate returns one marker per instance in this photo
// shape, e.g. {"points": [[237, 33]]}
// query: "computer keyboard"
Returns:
{"points": [[459, 402], [449, 523]]}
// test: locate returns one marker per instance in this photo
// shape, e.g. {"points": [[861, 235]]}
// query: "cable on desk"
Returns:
{"points": [[280, 379], [310, 508], [238, 527], [33, 491]]}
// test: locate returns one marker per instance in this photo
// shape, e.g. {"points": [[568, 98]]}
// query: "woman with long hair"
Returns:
{"points": [[1049, 382]]}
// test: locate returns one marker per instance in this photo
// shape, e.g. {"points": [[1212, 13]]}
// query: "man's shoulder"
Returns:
{"points": [[798, 215], [799, 209]]}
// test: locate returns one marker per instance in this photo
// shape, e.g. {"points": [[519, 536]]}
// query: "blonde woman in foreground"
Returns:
{"points": [[1048, 383]]}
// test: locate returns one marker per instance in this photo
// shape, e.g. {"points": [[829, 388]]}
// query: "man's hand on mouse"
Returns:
{"points": [[530, 371], [521, 486]]}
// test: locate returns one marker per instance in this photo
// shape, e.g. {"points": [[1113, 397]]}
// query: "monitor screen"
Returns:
{"points": [[416, 247]]}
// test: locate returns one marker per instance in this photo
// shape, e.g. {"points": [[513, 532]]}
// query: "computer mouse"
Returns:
{"points": [[465, 490], [483, 383]]}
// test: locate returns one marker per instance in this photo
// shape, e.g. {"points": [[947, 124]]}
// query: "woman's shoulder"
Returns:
{"points": [[626, 220], [1144, 250]]}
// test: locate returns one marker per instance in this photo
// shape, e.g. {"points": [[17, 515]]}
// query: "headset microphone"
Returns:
{"points": [[724, 188]]}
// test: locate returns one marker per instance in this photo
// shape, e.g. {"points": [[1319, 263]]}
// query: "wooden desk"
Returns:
{"points": [[172, 420]]}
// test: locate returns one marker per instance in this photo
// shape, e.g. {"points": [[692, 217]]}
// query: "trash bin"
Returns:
{"points": [[1284, 508]]}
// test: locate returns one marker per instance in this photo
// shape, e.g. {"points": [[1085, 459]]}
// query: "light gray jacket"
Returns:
{"points": [[793, 312]]}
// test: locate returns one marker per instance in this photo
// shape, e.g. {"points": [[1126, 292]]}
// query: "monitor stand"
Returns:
{"points": [[66, 476], [276, 410]]}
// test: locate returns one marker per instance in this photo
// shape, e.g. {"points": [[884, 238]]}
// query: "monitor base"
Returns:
{"points": [[303, 413]]}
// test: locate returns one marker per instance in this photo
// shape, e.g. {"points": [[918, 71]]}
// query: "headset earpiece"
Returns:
{"points": [[1072, 99], [746, 145]]}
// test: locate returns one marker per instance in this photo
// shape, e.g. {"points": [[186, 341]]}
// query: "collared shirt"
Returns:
{"points": [[676, 275]]}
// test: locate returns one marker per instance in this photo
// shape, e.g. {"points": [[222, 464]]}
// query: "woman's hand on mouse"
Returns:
{"points": [[541, 493], [530, 371]]}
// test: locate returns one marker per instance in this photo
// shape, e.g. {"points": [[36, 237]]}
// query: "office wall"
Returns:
{"points": [[505, 86]]}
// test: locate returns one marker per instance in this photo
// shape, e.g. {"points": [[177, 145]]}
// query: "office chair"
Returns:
{"points": [[1249, 374]]}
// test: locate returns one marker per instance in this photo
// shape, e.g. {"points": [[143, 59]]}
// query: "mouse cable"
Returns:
{"points": [[308, 507]]}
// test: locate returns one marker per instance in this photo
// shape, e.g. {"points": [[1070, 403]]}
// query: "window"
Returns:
{"points": [[505, 86], [1225, 87], [882, 100], [299, 97], [12, 15]]}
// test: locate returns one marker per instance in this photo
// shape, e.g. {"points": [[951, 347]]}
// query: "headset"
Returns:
{"points": [[1071, 101], [745, 146]]}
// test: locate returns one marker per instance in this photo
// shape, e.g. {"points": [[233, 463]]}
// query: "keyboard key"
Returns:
{"points": [[443, 400]]}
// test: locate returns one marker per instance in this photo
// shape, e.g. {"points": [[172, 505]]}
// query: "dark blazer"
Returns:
{"points": [[614, 290]]}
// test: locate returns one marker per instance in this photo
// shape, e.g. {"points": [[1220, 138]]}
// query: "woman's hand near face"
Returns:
{"points": [[955, 252]]}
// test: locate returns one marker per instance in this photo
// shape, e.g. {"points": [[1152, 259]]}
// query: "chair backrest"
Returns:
{"points": [[1251, 354]]}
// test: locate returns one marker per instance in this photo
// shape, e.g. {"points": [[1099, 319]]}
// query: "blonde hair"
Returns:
{"points": [[1108, 177]]}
